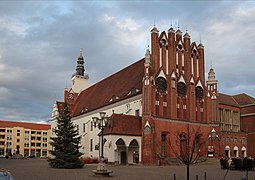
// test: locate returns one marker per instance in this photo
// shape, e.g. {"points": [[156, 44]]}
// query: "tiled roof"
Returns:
{"points": [[60, 107], [236, 100], [121, 85], [227, 100], [124, 125], [26, 125], [244, 99]]}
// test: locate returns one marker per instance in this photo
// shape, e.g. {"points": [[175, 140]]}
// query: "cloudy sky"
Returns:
{"points": [[40, 42]]}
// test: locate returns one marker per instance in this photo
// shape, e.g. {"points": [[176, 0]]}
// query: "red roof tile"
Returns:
{"points": [[227, 100], [114, 88], [60, 107], [26, 125], [244, 99], [124, 124], [236, 100]]}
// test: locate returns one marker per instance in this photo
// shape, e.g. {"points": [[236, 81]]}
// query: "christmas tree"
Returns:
{"points": [[66, 143]]}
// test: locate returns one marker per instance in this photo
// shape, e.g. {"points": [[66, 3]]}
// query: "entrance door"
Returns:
{"points": [[136, 158], [227, 153], [123, 157]]}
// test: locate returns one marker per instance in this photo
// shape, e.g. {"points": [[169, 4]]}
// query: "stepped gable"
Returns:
{"points": [[244, 99], [121, 85], [124, 125], [227, 100], [26, 125]]}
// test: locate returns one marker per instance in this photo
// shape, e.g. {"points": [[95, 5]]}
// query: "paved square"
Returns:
{"points": [[38, 169]]}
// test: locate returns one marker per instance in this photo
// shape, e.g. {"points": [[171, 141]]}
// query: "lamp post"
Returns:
{"points": [[6, 151], [101, 123]]}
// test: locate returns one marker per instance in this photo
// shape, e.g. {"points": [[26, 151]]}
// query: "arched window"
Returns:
{"points": [[163, 144], [181, 89]]}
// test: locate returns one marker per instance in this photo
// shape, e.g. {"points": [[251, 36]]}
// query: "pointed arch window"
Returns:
{"points": [[161, 84], [181, 89], [199, 92], [163, 144]]}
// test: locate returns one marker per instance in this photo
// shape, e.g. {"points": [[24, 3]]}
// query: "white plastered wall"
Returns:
{"points": [[127, 106]]}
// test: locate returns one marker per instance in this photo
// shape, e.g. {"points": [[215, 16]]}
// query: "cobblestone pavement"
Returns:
{"points": [[38, 169]]}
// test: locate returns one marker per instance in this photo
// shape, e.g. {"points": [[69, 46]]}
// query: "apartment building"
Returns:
{"points": [[27, 139]]}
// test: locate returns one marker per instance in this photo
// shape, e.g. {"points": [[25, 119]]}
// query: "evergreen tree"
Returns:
{"points": [[66, 143]]}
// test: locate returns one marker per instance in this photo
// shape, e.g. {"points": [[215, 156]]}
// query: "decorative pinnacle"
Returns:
{"points": [[81, 51]]}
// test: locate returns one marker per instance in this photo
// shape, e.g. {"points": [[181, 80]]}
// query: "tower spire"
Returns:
{"points": [[211, 74], [80, 65]]}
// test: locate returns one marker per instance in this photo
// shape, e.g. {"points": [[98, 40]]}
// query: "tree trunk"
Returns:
{"points": [[187, 166]]}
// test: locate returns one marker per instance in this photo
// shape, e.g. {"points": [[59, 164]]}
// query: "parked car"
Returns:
{"points": [[5, 175]]}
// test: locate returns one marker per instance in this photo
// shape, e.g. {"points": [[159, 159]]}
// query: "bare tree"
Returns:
{"points": [[187, 146]]}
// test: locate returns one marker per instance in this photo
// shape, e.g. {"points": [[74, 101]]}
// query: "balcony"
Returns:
{"points": [[2, 138], [2, 131]]}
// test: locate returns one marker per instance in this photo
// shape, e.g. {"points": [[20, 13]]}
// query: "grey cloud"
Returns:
{"points": [[35, 65]]}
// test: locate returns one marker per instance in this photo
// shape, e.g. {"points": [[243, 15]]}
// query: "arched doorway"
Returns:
{"points": [[227, 151], [236, 151], [133, 152], [243, 151], [121, 151]]}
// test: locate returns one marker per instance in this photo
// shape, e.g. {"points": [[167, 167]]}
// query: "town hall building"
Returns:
{"points": [[158, 96]]}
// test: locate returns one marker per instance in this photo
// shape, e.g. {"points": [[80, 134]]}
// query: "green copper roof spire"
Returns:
{"points": [[80, 65]]}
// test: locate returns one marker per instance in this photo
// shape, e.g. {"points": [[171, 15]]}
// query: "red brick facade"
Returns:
{"points": [[175, 94], [171, 79]]}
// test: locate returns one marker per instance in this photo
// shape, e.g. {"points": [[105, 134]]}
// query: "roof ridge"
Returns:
{"points": [[235, 100], [249, 98], [108, 77], [24, 122], [101, 92]]}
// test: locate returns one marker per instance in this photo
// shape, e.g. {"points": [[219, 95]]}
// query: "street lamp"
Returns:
{"points": [[7, 150], [101, 123]]}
